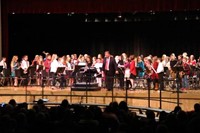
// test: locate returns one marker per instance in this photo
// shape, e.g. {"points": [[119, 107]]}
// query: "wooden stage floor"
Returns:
{"points": [[138, 97]]}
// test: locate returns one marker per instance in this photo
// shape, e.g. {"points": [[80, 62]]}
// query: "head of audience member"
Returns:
{"points": [[64, 103], [197, 107], [123, 106], [12, 102]]}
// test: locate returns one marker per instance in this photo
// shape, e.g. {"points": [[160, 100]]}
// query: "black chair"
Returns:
{"points": [[7, 76], [32, 77], [19, 75], [1, 76]]}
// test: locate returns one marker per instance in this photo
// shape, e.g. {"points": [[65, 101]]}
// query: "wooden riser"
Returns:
{"points": [[138, 97]]}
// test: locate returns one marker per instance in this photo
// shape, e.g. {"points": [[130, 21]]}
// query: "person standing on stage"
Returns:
{"points": [[24, 66], [14, 65], [53, 69], [109, 69]]}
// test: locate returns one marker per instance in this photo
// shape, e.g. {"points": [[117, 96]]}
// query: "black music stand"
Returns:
{"points": [[178, 69], [59, 73], [60, 70], [77, 69]]}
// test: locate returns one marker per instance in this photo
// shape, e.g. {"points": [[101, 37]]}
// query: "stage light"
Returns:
{"points": [[96, 20], [13, 12], [107, 20], [120, 16], [125, 20], [186, 18], [197, 17], [115, 20], [48, 13]]}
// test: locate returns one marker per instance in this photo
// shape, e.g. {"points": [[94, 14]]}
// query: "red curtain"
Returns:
{"points": [[87, 6]]}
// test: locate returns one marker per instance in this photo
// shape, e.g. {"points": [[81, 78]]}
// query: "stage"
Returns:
{"points": [[138, 97]]}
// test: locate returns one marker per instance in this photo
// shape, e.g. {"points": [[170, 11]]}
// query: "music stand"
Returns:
{"points": [[178, 69], [60, 70]]}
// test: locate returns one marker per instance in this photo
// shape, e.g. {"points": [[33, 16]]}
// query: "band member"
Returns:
{"points": [[24, 67], [155, 74], [148, 71], [47, 63], [39, 68], [120, 68], [127, 72], [192, 61], [173, 62], [35, 61], [3, 63], [185, 74], [132, 70], [98, 66], [53, 69], [14, 65], [62, 63], [140, 65], [47, 66], [160, 72], [109, 69], [69, 70]]}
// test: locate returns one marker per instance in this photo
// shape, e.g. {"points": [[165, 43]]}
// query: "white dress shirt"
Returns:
{"points": [[3, 63], [54, 66], [160, 67]]}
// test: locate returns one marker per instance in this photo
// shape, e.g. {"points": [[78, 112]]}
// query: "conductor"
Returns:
{"points": [[109, 69]]}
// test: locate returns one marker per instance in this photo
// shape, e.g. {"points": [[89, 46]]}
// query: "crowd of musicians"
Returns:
{"points": [[125, 68]]}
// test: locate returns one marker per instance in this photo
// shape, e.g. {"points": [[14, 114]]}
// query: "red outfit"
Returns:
{"points": [[133, 68], [47, 65], [155, 75]]}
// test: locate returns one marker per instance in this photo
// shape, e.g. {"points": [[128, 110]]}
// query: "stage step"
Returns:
{"points": [[83, 86]]}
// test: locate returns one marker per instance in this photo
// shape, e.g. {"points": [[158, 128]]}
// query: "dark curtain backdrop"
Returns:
{"points": [[96, 6], [58, 34], [86, 6]]}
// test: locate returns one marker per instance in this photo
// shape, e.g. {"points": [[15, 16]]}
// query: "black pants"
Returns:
{"points": [[120, 77], [26, 79], [109, 80], [53, 76], [62, 81], [161, 81]]}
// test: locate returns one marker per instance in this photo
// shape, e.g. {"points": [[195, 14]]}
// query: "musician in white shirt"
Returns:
{"points": [[24, 66], [98, 65], [53, 69], [160, 72], [3, 63]]}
